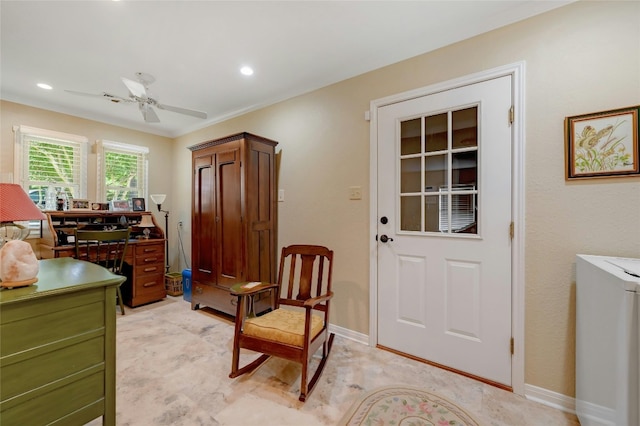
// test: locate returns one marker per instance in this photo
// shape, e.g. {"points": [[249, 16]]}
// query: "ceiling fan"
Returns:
{"points": [[139, 92]]}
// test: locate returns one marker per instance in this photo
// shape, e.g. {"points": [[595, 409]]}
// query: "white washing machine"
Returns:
{"points": [[607, 336]]}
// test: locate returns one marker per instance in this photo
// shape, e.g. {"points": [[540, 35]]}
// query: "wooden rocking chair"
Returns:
{"points": [[298, 324]]}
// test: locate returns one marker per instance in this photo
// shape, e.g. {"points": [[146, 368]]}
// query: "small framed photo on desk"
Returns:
{"points": [[138, 204], [79, 204], [120, 205]]}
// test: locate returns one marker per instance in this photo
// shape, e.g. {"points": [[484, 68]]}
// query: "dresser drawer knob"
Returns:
{"points": [[150, 284], [150, 259], [153, 268]]}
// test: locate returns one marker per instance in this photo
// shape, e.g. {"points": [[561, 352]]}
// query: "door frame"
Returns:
{"points": [[517, 72]]}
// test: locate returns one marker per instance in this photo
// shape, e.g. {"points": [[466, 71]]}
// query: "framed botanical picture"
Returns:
{"points": [[120, 205], [79, 204], [138, 204], [603, 144]]}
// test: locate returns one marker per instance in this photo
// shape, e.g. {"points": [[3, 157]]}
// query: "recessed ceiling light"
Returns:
{"points": [[246, 70], [44, 86]]}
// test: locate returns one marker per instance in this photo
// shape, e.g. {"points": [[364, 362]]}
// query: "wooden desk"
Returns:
{"points": [[57, 346], [144, 268], [145, 258]]}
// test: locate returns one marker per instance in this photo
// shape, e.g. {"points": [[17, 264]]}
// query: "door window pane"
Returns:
{"points": [[464, 168], [410, 213], [431, 213], [410, 175], [435, 173], [410, 137], [465, 128], [435, 132]]}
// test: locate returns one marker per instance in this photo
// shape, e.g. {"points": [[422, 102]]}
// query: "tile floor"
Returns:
{"points": [[173, 365]]}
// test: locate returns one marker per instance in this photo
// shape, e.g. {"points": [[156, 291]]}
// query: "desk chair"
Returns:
{"points": [[298, 324], [106, 248]]}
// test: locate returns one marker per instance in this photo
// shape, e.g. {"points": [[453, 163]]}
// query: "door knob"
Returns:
{"points": [[384, 238]]}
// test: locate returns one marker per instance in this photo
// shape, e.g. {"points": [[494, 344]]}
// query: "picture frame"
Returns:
{"points": [[137, 205], [120, 205], [603, 144], [100, 206], [79, 204]]}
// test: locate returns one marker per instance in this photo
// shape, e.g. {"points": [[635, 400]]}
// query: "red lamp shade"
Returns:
{"points": [[15, 204]]}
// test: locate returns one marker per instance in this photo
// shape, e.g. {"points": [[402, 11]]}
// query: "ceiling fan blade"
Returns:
{"points": [[109, 96], [135, 88], [191, 112], [148, 113]]}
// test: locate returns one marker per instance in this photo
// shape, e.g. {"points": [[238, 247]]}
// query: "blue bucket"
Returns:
{"points": [[186, 285]]}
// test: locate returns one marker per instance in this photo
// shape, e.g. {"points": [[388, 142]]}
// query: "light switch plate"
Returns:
{"points": [[355, 193]]}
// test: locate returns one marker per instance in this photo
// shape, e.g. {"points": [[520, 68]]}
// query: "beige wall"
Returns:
{"points": [[160, 162], [581, 58]]}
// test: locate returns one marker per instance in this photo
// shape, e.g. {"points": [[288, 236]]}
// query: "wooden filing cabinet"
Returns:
{"points": [[147, 274]]}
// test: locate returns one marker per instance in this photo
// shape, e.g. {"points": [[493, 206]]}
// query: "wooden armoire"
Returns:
{"points": [[233, 217]]}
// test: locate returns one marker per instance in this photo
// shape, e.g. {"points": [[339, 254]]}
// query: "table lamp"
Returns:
{"points": [[158, 199], [15, 205], [146, 223], [18, 263]]}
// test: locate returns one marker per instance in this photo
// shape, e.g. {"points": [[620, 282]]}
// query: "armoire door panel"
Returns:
{"points": [[229, 212], [260, 177], [260, 261], [261, 208], [204, 219]]}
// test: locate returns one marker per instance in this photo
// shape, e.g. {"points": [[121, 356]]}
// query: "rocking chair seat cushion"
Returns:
{"points": [[283, 326]]}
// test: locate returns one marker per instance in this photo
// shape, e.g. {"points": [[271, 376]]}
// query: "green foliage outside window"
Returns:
{"points": [[51, 163], [121, 175]]}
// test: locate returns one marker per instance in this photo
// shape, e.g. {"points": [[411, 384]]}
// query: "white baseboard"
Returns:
{"points": [[549, 398], [349, 334]]}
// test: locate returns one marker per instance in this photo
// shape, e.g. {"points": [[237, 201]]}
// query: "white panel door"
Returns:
{"points": [[444, 215]]}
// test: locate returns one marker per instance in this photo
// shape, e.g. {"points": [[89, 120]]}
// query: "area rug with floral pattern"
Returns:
{"points": [[405, 406]]}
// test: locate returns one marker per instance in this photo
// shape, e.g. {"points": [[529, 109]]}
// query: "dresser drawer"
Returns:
{"points": [[213, 297], [149, 253], [220, 299], [156, 268], [148, 278], [152, 283], [52, 363], [50, 320]]}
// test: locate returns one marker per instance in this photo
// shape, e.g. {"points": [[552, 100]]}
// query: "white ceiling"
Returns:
{"points": [[195, 49]]}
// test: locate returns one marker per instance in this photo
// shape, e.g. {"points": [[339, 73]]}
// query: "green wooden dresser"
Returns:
{"points": [[57, 346]]}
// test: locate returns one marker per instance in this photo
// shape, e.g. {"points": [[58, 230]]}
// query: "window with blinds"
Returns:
{"points": [[45, 158], [123, 171]]}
